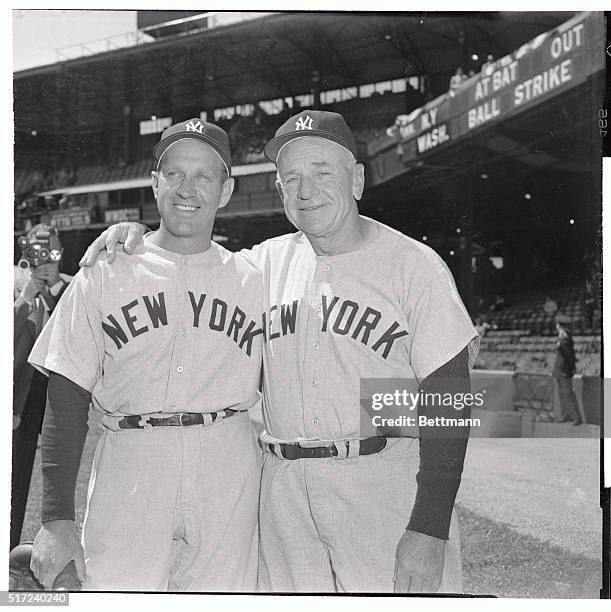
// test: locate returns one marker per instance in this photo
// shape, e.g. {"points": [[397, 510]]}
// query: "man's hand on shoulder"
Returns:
{"points": [[55, 545], [128, 234], [419, 563]]}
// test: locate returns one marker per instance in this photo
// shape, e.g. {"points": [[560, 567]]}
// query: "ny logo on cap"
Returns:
{"points": [[194, 127], [304, 123]]}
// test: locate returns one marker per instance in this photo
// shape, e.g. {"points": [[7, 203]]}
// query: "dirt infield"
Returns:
{"points": [[529, 509]]}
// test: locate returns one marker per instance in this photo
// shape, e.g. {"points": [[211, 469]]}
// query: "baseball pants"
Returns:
{"points": [[568, 399], [329, 525], [174, 509]]}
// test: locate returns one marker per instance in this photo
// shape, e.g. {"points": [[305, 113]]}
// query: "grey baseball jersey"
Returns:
{"points": [[388, 310], [159, 332]]}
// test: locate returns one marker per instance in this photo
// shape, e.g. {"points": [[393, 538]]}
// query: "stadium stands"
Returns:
{"points": [[527, 312], [523, 335], [518, 350], [248, 135]]}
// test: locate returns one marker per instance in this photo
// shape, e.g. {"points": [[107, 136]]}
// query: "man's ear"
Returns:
{"points": [[226, 192], [358, 181], [155, 182], [279, 189]]}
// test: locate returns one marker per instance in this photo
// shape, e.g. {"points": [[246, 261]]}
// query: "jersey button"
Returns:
{"points": [[316, 345], [316, 421], [179, 369], [327, 268], [315, 381], [184, 333]]}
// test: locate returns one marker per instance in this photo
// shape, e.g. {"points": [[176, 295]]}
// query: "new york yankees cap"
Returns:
{"points": [[198, 129], [323, 124]]}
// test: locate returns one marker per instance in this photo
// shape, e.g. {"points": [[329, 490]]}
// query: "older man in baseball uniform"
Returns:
{"points": [[167, 346], [347, 298]]}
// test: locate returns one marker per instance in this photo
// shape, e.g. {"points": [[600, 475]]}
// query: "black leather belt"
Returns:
{"points": [[181, 419], [367, 446]]}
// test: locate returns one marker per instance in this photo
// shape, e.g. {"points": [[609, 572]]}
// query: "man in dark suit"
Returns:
{"points": [[563, 371], [36, 291]]}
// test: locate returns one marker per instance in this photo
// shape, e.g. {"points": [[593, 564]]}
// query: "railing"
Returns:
{"points": [[119, 41], [208, 21]]}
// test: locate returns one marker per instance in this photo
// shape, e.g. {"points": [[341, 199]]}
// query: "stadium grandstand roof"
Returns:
{"points": [[276, 56]]}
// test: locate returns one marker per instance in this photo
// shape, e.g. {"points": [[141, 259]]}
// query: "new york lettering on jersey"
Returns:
{"points": [[340, 316], [146, 313]]}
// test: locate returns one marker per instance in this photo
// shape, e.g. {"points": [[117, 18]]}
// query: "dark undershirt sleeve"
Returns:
{"points": [[442, 452], [63, 437]]}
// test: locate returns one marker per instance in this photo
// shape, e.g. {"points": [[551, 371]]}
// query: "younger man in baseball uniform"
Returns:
{"points": [[348, 298], [167, 346]]}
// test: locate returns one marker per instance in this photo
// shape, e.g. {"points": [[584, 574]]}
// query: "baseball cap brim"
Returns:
{"points": [[272, 148], [161, 147]]}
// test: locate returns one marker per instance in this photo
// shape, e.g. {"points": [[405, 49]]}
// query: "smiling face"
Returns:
{"points": [[190, 186], [319, 182]]}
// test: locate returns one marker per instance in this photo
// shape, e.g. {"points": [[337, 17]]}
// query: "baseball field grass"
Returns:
{"points": [[529, 513]]}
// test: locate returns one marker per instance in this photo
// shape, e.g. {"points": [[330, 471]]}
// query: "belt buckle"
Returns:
{"points": [[313, 443], [144, 422], [180, 417]]}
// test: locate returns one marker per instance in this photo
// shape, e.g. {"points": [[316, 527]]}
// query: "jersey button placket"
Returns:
{"points": [[180, 333], [311, 407]]}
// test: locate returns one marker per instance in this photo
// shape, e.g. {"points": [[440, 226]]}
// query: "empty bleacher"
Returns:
{"points": [[527, 312], [518, 350]]}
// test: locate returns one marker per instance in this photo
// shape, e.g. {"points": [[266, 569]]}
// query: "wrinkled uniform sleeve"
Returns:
{"points": [[441, 327], [71, 343], [70, 350]]}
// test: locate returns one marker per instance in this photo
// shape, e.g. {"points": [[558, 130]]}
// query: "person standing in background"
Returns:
{"points": [[563, 371], [36, 291]]}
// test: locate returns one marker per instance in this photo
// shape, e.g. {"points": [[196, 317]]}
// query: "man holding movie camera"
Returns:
{"points": [[38, 285]]}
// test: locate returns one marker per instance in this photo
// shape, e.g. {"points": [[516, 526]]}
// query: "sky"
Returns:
{"points": [[38, 33]]}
